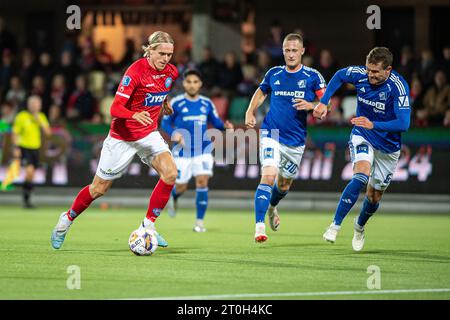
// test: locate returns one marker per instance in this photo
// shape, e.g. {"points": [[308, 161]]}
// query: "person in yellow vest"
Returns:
{"points": [[27, 141]]}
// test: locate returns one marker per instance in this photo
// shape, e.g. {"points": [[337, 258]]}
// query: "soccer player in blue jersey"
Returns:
{"points": [[383, 112], [292, 89], [192, 148]]}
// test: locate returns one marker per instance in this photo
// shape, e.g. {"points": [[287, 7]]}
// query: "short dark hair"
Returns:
{"points": [[190, 72], [380, 54], [293, 37]]}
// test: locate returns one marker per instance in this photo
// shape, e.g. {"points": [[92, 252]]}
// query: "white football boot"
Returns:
{"points": [[260, 232], [358, 237], [60, 231], [199, 227], [274, 218], [331, 233]]}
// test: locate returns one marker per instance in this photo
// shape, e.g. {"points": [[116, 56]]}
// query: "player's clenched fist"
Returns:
{"points": [[320, 111], [143, 118], [250, 120]]}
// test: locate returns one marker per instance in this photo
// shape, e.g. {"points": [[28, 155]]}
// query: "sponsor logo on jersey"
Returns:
{"points": [[363, 90], [154, 99], [185, 110], [158, 76], [295, 94], [168, 82], [302, 84], [277, 82], [200, 118], [126, 81], [268, 153], [362, 148], [378, 105]]}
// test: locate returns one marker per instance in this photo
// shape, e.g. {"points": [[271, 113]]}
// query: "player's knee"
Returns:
{"points": [[374, 198], [268, 179], [98, 190], [284, 185], [170, 176]]}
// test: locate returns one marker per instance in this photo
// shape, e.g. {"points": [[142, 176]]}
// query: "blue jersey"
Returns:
{"points": [[190, 118], [386, 105], [284, 87]]}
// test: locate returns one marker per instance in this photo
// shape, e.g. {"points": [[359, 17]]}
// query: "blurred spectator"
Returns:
{"points": [[45, 68], [58, 92], [307, 60], [262, 65], [6, 71], [16, 95], [7, 39], [88, 60], [327, 66], [248, 85], [68, 69], [248, 42], [407, 63], [129, 55], [274, 44], [437, 100], [445, 62], [209, 68], [27, 69], [39, 88], [416, 98], [8, 112], [104, 58], [426, 68], [231, 73], [55, 116], [310, 47], [81, 104]]}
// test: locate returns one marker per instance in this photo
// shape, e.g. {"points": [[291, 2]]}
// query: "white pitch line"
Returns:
{"points": [[294, 294]]}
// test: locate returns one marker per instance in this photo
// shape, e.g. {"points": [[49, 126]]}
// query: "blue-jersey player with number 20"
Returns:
{"points": [[292, 88], [383, 112]]}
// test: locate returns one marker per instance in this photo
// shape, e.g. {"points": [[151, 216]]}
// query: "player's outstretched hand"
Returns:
{"points": [[301, 104], [143, 118], [250, 120], [362, 122], [167, 108], [320, 111], [228, 125]]}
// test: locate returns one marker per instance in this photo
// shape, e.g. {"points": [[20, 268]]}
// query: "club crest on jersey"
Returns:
{"points": [[126, 81], [154, 99], [168, 82], [202, 109], [382, 95], [302, 84]]}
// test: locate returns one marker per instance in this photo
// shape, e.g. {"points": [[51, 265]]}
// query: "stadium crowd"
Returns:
{"points": [[78, 83]]}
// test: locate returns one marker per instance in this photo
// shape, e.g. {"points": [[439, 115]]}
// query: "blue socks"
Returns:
{"points": [[350, 196], [262, 198], [277, 195], [201, 202], [367, 211], [175, 195]]}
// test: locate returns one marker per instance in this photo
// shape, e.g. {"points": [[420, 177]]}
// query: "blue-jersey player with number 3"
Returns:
{"points": [[292, 88], [383, 112]]}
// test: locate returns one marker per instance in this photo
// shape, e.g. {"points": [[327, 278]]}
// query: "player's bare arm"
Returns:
{"points": [[256, 101]]}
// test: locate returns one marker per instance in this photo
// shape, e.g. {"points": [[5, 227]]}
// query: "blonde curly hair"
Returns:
{"points": [[155, 39]]}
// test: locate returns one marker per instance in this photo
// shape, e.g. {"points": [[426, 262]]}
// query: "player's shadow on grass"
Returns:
{"points": [[401, 254]]}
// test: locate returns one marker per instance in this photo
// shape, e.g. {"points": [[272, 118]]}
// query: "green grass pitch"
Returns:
{"points": [[412, 252]]}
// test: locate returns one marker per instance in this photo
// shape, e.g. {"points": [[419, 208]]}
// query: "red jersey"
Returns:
{"points": [[143, 88]]}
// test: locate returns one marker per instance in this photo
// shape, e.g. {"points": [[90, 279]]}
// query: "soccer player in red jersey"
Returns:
{"points": [[139, 99]]}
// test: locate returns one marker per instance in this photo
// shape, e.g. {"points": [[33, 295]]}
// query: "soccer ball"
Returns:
{"points": [[143, 242]]}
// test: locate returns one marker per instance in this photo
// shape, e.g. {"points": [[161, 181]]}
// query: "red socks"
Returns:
{"points": [[81, 202], [158, 199]]}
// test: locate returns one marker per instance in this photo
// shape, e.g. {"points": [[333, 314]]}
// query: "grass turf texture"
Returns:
{"points": [[412, 251]]}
